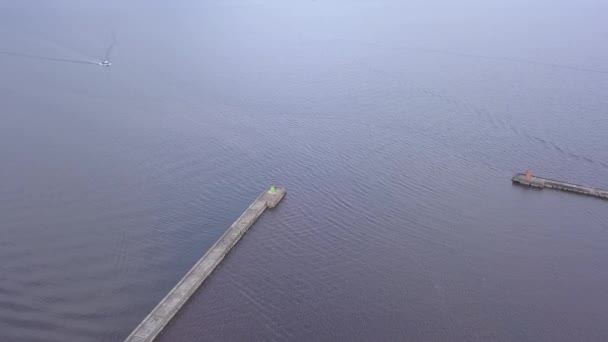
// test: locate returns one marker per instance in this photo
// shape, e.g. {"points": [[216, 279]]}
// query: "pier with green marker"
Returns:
{"points": [[168, 307]]}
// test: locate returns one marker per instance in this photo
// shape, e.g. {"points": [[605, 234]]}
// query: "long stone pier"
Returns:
{"points": [[162, 314], [539, 182]]}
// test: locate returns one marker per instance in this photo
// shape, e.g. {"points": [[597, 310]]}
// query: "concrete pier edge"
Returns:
{"points": [[540, 183], [168, 307]]}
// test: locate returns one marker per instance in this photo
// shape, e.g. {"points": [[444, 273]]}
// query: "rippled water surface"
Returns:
{"points": [[394, 125]]}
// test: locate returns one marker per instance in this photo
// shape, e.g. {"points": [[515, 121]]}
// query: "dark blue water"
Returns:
{"points": [[394, 125]]}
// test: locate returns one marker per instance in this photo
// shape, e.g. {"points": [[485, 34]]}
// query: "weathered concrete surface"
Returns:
{"points": [[162, 314], [539, 182]]}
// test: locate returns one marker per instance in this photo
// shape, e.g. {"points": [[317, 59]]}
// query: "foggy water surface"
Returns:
{"points": [[395, 127]]}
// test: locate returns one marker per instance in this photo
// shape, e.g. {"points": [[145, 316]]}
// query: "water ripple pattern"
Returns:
{"points": [[395, 127]]}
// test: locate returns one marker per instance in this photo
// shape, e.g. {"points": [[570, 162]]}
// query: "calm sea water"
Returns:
{"points": [[394, 125]]}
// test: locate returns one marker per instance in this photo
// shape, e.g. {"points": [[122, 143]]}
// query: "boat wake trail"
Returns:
{"points": [[104, 62], [106, 57], [45, 58]]}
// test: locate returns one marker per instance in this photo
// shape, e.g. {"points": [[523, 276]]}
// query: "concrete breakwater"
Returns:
{"points": [[538, 182], [162, 314]]}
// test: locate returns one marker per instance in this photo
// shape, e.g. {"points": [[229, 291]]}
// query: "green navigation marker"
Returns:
{"points": [[272, 190]]}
